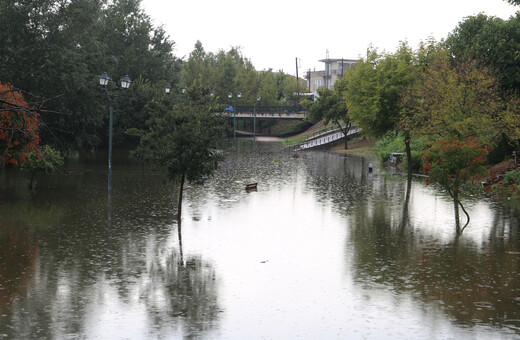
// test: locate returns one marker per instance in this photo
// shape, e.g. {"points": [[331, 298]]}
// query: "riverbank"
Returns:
{"points": [[363, 146]]}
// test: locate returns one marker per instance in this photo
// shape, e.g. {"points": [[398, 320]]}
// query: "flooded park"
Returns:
{"points": [[322, 249]]}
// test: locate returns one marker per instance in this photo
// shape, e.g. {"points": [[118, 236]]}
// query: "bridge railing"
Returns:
{"points": [[269, 109]]}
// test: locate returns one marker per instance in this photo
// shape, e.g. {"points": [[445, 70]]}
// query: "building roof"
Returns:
{"points": [[350, 61]]}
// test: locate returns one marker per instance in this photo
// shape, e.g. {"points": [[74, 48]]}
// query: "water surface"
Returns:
{"points": [[322, 250]]}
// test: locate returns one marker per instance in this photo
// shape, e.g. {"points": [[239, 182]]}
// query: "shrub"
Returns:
{"points": [[512, 177]]}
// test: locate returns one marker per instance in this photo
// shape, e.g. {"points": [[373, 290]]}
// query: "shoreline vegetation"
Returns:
{"points": [[500, 181]]}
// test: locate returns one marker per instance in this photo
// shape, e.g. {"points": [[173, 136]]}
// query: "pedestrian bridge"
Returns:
{"points": [[267, 112], [325, 138]]}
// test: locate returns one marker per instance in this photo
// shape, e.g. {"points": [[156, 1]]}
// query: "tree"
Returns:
{"points": [[330, 106], [493, 43], [268, 89], [184, 139], [197, 71], [458, 107], [19, 131], [57, 49], [45, 159], [513, 2], [50, 49], [451, 163], [456, 100], [374, 89]]}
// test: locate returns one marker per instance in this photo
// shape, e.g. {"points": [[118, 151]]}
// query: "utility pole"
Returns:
{"points": [[309, 79], [297, 81]]}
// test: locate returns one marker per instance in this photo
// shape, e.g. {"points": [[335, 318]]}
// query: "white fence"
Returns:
{"points": [[326, 138]]}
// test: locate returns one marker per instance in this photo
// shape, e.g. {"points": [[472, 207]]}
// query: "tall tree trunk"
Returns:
{"points": [[345, 131]]}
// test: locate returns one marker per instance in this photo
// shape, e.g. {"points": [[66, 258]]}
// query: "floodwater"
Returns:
{"points": [[323, 249]]}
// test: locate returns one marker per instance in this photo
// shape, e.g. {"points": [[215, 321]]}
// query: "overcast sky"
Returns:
{"points": [[273, 33]]}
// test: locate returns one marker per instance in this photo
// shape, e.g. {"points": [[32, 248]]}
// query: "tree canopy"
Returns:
{"points": [[493, 43], [57, 49], [183, 138], [330, 106], [19, 130], [374, 89]]}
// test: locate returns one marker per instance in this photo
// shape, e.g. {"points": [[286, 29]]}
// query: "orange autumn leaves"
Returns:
{"points": [[451, 161], [18, 127]]}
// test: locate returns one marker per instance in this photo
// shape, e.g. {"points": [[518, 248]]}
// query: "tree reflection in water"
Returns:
{"points": [[475, 284], [184, 294], [390, 248], [77, 270], [337, 235]]}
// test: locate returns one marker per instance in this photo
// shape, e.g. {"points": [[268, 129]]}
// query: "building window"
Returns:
{"points": [[317, 83]]}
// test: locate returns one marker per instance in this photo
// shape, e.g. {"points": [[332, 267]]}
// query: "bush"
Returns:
{"points": [[512, 177], [392, 142]]}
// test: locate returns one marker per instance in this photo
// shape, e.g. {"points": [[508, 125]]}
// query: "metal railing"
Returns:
{"points": [[326, 138], [270, 109]]}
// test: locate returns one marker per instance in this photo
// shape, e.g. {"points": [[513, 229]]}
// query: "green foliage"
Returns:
{"points": [[512, 177], [329, 106], [392, 142], [184, 139], [502, 150], [493, 43], [230, 72], [374, 88], [57, 49], [454, 101], [268, 90], [46, 159]]}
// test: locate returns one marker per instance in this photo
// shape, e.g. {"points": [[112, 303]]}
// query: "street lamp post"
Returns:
{"points": [[230, 96], [104, 80], [254, 116], [239, 95]]}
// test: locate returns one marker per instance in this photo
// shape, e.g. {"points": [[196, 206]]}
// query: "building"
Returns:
{"points": [[334, 70]]}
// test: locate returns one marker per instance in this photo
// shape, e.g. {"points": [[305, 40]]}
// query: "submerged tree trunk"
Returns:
{"points": [[179, 218], [408, 154], [179, 234], [31, 183], [404, 221], [179, 205], [454, 193], [457, 214]]}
